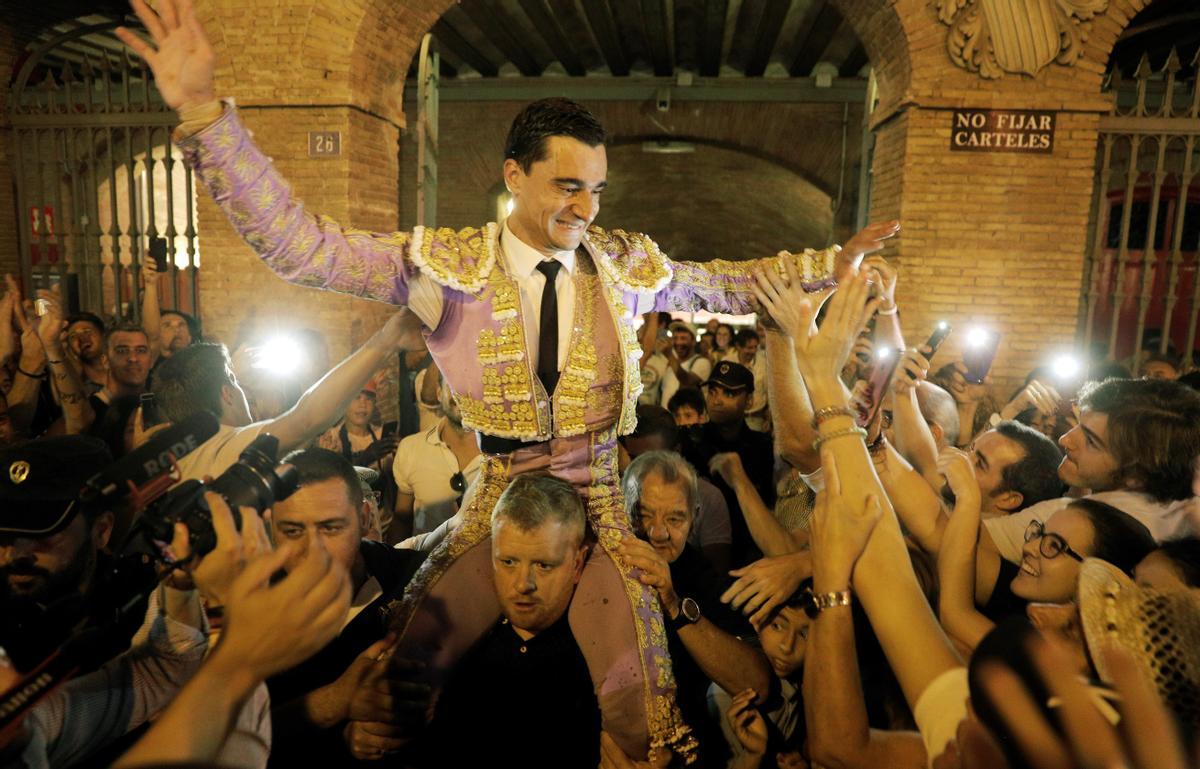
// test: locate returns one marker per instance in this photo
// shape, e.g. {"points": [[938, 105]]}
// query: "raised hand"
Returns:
{"points": [[868, 240], [887, 278], [50, 325], [822, 354], [273, 627], [959, 470], [840, 530], [180, 58], [8, 336], [912, 370], [1043, 398], [785, 301], [964, 392]]}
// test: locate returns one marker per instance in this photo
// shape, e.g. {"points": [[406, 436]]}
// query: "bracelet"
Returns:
{"points": [[819, 602], [860, 432], [822, 415], [895, 309], [830, 600], [31, 376]]}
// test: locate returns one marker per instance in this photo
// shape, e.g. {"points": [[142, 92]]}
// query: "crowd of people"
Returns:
{"points": [[801, 542], [832, 592]]}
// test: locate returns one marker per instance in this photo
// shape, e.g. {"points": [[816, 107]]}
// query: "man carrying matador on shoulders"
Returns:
{"points": [[531, 324]]}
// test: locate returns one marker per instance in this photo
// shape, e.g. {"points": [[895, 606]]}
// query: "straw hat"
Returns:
{"points": [[1160, 629]]}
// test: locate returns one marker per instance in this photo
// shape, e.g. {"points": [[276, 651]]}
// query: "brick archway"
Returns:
{"points": [[883, 34]]}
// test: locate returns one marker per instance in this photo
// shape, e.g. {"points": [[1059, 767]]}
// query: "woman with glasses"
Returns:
{"points": [[1053, 552]]}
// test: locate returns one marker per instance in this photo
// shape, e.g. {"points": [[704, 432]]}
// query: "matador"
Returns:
{"points": [[531, 321]]}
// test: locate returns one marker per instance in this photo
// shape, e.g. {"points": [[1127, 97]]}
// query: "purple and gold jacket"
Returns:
{"points": [[479, 342]]}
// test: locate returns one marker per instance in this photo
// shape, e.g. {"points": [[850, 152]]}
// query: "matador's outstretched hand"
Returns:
{"points": [[868, 240], [181, 58]]}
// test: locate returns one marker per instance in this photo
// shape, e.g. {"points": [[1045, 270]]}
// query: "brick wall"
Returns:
{"points": [[996, 238], [235, 286], [989, 238]]}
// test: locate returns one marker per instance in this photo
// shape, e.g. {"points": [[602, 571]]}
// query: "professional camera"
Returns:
{"points": [[254, 481], [140, 486]]}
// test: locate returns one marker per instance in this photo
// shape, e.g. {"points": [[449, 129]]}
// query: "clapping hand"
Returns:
{"points": [[50, 324]]}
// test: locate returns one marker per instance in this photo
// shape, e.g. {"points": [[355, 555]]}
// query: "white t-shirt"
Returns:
{"points": [[423, 467], [939, 709], [1164, 519], [654, 369], [697, 364], [218, 453]]}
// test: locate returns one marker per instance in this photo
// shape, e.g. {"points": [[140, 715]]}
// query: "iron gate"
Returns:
{"points": [[1142, 291], [97, 178]]}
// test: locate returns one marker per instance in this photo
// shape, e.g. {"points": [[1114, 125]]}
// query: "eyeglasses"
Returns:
{"points": [[1051, 544]]}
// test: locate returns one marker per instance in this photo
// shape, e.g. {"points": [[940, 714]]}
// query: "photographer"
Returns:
{"points": [[51, 564], [270, 626], [200, 378]]}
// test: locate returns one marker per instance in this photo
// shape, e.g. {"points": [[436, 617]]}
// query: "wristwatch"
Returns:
{"points": [[819, 602], [689, 614]]}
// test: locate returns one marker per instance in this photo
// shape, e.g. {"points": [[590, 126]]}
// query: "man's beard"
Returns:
{"points": [[47, 587]]}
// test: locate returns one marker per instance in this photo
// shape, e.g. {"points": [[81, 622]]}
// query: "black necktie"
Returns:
{"points": [[547, 367]]}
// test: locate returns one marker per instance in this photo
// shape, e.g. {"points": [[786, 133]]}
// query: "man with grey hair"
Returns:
{"points": [[524, 687], [661, 498]]}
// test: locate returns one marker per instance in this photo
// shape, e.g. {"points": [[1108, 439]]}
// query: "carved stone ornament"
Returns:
{"points": [[992, 37]]}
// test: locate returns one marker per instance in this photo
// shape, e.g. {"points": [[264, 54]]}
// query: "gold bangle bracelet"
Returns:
{"points": [[822, 415], [860, 432]]}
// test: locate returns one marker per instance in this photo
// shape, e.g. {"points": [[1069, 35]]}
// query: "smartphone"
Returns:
{"points": [[979, 353], [663, 334], [158, 250], [883, 366], [390, 429], [149, 412], [940, 332]]}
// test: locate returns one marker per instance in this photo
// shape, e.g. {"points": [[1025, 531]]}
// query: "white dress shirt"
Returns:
{"points": [[520, 260]]}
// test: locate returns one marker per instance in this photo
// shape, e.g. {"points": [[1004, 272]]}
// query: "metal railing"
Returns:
{"points": [[97, 178], [1140, 276]]}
